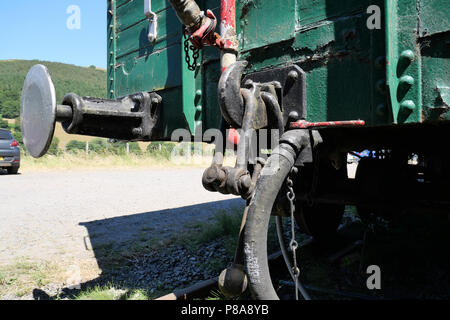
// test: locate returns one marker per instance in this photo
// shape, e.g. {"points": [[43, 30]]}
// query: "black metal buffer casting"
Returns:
{"points": [[131, 118]]}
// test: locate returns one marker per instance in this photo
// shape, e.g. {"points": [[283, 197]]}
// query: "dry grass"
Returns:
{"points": [[21, 277], [100, 161]]}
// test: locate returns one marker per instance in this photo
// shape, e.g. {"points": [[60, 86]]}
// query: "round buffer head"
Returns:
{"points": [[38, 111]]}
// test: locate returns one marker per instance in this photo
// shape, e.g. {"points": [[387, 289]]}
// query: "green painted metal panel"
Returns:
{"points": [[403, 61], [351, 72], [313, 12], [138, 65], [436, 77], [260, 22], [154, 72], [338, 53], [434, 16], [132, 12], [192, 94], [135, 37], [111, 56]]}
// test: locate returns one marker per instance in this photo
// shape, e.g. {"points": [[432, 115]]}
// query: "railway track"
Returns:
{"points": [[338, 272]]}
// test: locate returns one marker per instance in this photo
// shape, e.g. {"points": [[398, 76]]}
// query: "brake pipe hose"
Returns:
{"points": [[272, 178]]}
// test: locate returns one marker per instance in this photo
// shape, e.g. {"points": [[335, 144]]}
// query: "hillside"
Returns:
{"points": [[67, 78]]}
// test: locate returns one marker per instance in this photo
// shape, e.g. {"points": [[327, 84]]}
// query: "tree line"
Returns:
{"points": [[67, 78]]}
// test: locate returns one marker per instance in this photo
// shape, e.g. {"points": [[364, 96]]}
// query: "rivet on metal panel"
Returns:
{"points": [[407, 55], [381, 110], [198, 112], [381, 87], [404, 61], [380, 62], [406, 81], [408, 105]]}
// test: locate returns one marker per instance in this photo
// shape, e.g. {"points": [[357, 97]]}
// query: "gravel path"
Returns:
{"points": [[63, 216]]}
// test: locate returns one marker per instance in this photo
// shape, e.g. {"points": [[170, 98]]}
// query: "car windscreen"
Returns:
{"points": [[4, 135]]}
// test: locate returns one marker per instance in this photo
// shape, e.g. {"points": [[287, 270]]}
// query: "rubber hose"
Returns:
{"points": [[188, 12], [275, 172]]}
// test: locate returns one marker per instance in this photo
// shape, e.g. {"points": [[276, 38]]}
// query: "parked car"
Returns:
{"points": [[9, 152]]}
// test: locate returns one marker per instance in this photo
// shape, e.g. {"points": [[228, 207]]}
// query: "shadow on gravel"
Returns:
{"points": [[135, 252]]}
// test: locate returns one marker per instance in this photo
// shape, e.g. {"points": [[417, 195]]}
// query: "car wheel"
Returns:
{"points": [[13, 170]]}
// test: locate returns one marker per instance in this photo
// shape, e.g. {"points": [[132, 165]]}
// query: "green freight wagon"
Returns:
{"points": [[310, 80]]}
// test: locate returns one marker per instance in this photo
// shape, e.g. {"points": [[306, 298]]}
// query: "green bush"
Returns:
{"points": [[120, 148], [67, 78], [161, 149], [102, 146], [74, 146], [17, 127], [98, 146], [3, 123], [54, 147]]}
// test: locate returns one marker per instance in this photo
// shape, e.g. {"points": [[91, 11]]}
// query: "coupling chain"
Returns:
{"points": [[293, 244], [195, 55]]}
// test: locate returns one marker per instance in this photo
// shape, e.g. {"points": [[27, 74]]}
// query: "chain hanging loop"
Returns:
{"points": [[195, 55], [293, 244]]}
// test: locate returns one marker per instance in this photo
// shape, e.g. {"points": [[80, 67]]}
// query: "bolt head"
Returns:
{"points": [[293, 75], [293, 116]]}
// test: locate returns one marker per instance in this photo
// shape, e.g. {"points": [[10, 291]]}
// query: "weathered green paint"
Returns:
{"points": [[260, 18], [436, 76], [192, 94], [111, 39], [434, 16], [351, 72], [333, 45], [402, 36]]}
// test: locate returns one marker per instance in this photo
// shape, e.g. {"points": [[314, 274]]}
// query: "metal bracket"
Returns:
{"points": [[153, 21], [293, 83]]}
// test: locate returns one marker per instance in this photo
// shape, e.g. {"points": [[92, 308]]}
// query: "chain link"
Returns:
{"points": [[196, 53], [293, 244]]}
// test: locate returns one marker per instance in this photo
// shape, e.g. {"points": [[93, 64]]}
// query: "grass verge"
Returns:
{"points": [[21, 277], [106, 161], [110, 292]]}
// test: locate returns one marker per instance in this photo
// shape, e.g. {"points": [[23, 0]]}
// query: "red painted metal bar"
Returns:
{"points": [[228, 33], [230, 47], [228, 24], [302, 124]]}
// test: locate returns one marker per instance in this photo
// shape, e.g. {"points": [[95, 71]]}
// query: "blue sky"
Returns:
{"points": [[37, 29]]}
